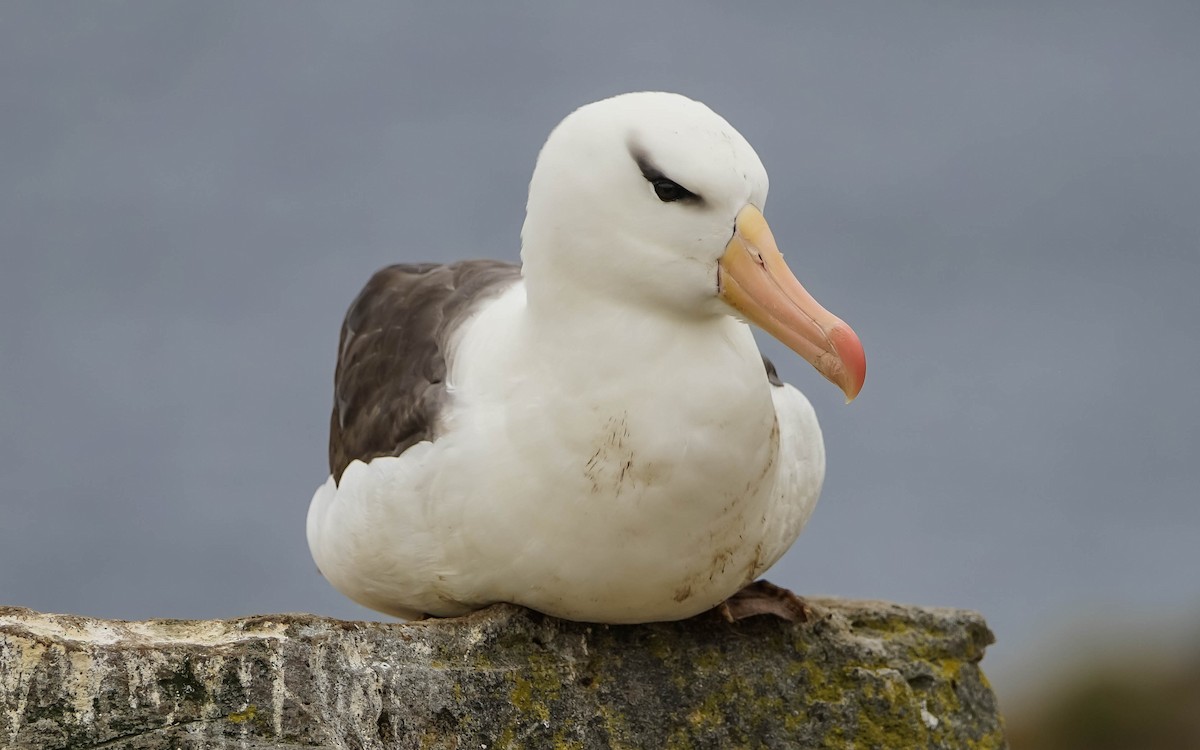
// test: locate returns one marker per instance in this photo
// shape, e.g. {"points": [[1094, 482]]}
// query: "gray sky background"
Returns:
{"points": [[1003, 201]]}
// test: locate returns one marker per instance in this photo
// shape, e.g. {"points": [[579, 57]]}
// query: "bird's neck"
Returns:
{"points": [[606, 273], [604, 332], [600, 353]]}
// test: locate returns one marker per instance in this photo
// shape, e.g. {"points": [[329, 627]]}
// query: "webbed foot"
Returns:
{"points": [[764, 598]]}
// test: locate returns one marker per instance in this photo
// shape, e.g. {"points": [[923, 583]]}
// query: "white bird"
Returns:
{"points": [[591, 435]]}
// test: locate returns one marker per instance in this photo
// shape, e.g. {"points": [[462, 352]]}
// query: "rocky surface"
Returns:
{"points": [[857, 675]]}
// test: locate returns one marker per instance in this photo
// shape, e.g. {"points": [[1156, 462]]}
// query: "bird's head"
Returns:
{"points": [[654, 199]]}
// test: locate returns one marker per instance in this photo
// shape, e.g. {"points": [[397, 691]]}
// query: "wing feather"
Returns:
{"points": [[390, 379]]}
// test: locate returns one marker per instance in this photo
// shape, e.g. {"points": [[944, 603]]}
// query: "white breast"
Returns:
{"points": [[646, 473]]}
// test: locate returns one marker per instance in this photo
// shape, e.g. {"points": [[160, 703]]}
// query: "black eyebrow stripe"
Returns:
{"points": [[649, 171], [652, 173]]}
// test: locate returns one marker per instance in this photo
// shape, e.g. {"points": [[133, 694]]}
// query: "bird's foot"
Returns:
{"points": [[764, 598]]}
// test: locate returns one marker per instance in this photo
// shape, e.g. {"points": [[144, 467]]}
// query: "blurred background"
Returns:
{"points": [[1003, 200]]}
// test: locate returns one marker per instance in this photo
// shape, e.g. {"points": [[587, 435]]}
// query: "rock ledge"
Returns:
{"points": [[859, 675]]}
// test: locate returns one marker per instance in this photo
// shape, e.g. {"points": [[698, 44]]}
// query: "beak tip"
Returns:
{"points": [[853, 359]]}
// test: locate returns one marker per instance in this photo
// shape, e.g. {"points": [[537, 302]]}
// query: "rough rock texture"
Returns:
{"points": [[858, 675]]}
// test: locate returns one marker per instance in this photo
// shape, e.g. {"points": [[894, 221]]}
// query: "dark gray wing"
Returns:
{"points": [[391, 368]]}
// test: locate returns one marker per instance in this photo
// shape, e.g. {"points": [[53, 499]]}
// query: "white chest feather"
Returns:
{"points": [[644, 483]]}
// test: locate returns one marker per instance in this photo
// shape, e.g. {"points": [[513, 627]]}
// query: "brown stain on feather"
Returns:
{"points": [[611, 465]]}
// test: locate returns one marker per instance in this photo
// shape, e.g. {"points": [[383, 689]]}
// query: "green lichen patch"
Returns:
{"points": [[858, 675], [246, 714]]}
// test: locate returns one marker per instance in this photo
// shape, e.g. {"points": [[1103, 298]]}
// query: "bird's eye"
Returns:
{"points": [[669, 191]]}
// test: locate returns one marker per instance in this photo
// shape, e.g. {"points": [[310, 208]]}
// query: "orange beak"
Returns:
{"points": [[753, 279]]}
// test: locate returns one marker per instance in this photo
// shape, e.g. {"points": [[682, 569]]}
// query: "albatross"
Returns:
{"points": [[593, 434]]}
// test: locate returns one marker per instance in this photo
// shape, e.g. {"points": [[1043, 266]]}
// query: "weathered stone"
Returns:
{"points": [[858, 675]]}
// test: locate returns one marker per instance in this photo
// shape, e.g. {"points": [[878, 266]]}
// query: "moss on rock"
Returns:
{"points": [[858, 675]]}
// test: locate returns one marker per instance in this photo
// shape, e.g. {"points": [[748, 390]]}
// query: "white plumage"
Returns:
{"points": [[610, 449]]}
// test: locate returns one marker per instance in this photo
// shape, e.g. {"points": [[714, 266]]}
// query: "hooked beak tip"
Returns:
{"points": [[853, 360]]}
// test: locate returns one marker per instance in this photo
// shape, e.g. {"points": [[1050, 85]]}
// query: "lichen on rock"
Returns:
{"points": [[857, 675]]}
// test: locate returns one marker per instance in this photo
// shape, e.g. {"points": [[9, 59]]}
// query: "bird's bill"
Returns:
{"points": [[753, 279]]}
